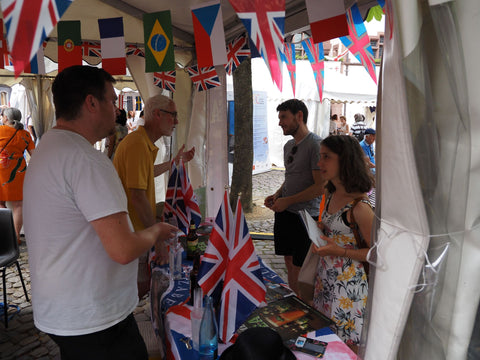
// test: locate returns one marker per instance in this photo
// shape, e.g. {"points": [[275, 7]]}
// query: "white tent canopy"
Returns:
{"points": [[425, 293]]}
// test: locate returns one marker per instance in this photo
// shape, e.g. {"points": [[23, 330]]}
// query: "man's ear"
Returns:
{"points": [[91, 102]]}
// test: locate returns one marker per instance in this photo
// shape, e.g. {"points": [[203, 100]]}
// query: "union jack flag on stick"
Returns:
{"points": [[204, 78], [180, 199], [265, 23], [358, 41], [214, 261], [28, 23], [243, 289], [315, 56], [165, 80], [289, 59], [237, 51]]}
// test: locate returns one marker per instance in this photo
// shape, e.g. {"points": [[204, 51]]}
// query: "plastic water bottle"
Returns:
{"points": [[208, 333]]}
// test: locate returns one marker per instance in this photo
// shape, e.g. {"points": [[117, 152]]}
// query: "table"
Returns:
{"points": [[171, 316]]}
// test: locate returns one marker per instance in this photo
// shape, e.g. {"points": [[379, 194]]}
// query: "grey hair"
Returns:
{"points": [[12, 114], [156, 102], [359, 117]]}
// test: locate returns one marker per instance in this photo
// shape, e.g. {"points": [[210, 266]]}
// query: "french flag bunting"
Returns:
{"points": [[265, 23], [204, 78], [209, 34], [237, 51], [243, 288], [28, 23], [315, 56], [165, 80], [358, 41], [289, 59], [37, 64], [113, 45], [180, 200], [91, 48], [327, 19], [215, 260]]}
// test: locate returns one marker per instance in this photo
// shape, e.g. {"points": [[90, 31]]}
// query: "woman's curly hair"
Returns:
{"points": [[354, 172]]}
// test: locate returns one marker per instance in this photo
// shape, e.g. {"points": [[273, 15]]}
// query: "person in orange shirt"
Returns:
{"points": [[14, 141]]}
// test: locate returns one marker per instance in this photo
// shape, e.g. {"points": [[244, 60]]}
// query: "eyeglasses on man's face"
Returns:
{"points": [[292, 153], [173, 113]]}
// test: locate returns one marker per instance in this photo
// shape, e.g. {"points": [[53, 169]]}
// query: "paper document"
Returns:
{"points": [[312, 229]]}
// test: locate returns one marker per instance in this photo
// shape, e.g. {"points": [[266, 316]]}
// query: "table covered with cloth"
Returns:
{"points": [[171, 316]]}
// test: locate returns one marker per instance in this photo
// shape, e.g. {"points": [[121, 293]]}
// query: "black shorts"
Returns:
{"points": [[291, 237], [121, 341]]}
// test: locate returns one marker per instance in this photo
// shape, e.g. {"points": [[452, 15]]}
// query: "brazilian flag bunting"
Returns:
{"points": [[157, 28]]}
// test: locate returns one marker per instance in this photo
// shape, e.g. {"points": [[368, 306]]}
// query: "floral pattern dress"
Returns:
{"points": [[341, 285]]}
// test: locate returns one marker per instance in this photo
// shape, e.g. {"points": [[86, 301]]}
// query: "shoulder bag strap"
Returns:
{"points": [[354, 226], [9, 140]]}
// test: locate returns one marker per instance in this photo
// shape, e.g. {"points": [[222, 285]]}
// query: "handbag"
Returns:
{"points": [[356, 232], [306, 277]]}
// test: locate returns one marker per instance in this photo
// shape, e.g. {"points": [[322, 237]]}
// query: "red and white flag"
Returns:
{"points": [[243, 288], [209, 34], [28, 24], [327, 19], [113, 45]]}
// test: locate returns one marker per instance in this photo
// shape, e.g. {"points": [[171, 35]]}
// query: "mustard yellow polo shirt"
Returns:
{"points": [[134, 160]]}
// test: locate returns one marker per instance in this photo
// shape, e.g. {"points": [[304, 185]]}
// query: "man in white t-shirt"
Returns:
{"points": [[82, 250]]}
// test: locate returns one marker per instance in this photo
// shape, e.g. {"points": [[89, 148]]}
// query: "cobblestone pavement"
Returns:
{"points": [[22, 341]]}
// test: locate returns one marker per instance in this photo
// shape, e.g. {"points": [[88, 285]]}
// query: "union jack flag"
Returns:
{"points": [[204, 78], [316, 58], [265, 23], [28, 23], [165, 80], [180, 199], [289, 58], [135, 51], [91, 48], [215, 260], [237, 51], [358, 41], [243, 289]]}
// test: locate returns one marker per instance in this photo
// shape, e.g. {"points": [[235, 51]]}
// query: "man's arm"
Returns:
{"points": [[186, 156], [123, 245], [313, 191], [140, 203]]}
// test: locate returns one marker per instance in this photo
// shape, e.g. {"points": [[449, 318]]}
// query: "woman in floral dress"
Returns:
{"points": [[341, 285]]}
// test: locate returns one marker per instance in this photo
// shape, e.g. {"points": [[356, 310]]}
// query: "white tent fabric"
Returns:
{"points": [[402, 236], [426, 294]]}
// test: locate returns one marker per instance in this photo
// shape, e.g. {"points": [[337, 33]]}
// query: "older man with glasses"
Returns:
{"points": [[301, 189], [134, 161]]}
